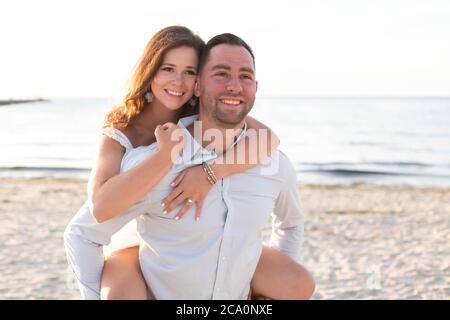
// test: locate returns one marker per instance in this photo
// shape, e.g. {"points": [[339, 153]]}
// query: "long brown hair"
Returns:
{"points": [[139, 84]]}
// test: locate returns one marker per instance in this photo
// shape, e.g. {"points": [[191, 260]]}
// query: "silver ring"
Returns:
{"points": [[190, 201]]}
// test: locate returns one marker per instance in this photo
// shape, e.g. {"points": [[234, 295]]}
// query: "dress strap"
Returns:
{"points": [[119, 136]]}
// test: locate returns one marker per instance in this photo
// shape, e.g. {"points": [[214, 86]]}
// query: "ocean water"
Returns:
{"points": [[332, 141]]}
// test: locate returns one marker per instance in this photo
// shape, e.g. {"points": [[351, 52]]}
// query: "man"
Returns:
{"points": [[216, 257]]}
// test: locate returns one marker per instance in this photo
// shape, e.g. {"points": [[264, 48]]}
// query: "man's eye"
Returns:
{"points": [[221, 74], [247, 77]]}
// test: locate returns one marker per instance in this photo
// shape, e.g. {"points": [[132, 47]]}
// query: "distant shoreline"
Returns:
{"points": [[14, 101]]}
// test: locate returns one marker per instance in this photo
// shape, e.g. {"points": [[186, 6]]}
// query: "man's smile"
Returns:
{"points": [[232, 102]]}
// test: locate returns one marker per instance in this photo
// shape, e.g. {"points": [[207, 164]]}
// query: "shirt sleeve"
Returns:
{"points": [[84, 239], [288, 218]]}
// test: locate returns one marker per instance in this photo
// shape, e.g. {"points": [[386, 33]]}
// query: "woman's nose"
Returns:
{"points": [[178, 78]]}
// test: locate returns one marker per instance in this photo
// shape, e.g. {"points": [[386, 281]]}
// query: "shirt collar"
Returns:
{"points": [[193, 152]]}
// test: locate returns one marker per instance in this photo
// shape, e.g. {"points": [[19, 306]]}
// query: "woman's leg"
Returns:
{"points": [[279, 277], [122, 277]]}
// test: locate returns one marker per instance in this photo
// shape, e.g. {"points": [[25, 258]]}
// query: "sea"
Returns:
{"points": [[387, 141]]}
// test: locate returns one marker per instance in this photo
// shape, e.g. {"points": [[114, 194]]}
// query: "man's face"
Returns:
{"points": [[227, 85]]}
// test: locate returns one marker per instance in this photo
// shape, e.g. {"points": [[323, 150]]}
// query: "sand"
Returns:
{"points": [[361, 242]]}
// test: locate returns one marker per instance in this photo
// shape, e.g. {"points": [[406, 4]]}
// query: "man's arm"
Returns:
{"points": [[288, 218], [84, 239]]}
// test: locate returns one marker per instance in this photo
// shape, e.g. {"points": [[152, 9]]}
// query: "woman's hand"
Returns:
{"points": [[170, 138], [192, 184]]}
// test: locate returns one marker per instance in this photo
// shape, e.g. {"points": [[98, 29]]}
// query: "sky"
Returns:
{"points": [[75, 49]]}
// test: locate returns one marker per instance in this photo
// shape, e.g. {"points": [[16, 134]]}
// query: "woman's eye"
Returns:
{"points": [[168, 69], [191, 73]]}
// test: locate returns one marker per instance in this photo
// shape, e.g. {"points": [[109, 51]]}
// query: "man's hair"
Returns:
{"points": [[224, 38]]}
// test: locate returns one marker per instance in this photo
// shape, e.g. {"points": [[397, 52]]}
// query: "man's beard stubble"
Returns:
{"points": [[223, 119]]}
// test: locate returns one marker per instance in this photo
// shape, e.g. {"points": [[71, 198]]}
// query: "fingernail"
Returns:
{"points": [[177, 218], [162, 204], [172, 184], [165, 211], [197, 218]]}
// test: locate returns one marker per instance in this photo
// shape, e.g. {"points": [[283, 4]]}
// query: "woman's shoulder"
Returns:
{"points": [[120, 135]]}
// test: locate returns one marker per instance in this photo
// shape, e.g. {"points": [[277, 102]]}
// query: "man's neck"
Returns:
{"points": [[213, 136]]}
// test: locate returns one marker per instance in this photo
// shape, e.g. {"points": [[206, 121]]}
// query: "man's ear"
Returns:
{"points": [[197, 89], [256, 85]]}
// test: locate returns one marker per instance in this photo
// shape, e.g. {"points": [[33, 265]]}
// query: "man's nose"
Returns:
{"points": [[234, 85]]}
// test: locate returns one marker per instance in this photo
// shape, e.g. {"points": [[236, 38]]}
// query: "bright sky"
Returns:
{"points": [[87, 48]]}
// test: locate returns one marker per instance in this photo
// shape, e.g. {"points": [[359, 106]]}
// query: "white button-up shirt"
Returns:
{"points": [[213, 258]]}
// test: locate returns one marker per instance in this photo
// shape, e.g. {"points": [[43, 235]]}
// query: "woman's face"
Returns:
{"points": [[173, 84]]}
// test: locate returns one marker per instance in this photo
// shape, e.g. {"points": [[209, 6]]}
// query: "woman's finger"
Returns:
{"points": [[166, 126], [185, 209], [198, 210], [156, 132], [175, 203], [174, 194], [178, 179]]}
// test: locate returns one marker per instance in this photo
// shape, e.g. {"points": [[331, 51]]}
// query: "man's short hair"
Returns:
{"points": [[224, 38]]}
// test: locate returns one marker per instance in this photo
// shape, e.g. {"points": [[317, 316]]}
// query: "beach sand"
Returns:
{"points": [[361, 242]]}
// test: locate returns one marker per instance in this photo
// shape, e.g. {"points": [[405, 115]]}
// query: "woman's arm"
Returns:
{"points": [[193, 183], [111, 192], [248, 152]]}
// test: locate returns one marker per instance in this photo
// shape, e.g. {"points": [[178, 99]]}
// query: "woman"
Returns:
{"points": [[160, 92]]}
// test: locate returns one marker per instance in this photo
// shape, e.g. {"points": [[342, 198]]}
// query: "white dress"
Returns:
{"points": [[127, 236]]}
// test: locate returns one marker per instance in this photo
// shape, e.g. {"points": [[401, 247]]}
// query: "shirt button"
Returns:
{"points": [[223, 258]]}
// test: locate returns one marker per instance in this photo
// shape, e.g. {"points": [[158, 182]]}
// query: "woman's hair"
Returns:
{"points": [[144, 72]]}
